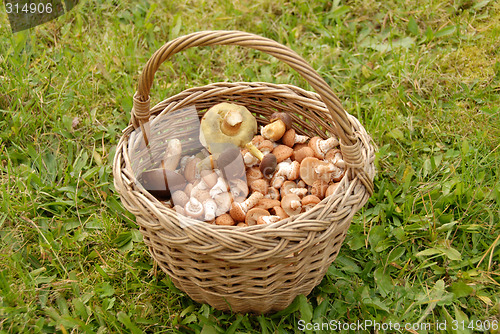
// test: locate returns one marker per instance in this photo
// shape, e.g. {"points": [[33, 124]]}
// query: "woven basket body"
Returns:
{"points": [[258, 268]]}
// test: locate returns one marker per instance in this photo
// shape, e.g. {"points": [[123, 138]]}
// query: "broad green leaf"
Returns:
{"points": [[446, 31], [413, 27]]}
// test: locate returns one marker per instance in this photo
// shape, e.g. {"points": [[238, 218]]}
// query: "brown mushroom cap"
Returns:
{"points": [[230, 163], [268, 165], [285, 188], [259, 185], [267, 203], [312, 169], [278, 211], [179, 198], [302, 153], [225, 220], [292, 204], [162, 182], [284, 117], [253, 173], [190, 169], [318, 188], [209, 177], [282, 152], [254, 214], [288, 138], [237, 212], [310, 201], [331, 189]]}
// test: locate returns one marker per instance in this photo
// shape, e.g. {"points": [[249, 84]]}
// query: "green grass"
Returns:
{"points": [[422, 77]]}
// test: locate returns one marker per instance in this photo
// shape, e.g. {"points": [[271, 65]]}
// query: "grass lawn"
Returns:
{"points": [[423, 77]]}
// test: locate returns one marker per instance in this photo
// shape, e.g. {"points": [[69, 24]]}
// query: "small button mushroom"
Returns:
{"points": [[318, 188], [292, 204], [266, 146], [282, 152], [194, 208], [337, 173], [302, 153], [223, 202], [335, 157], [257, 139], [277, 181], [209, 177], [187, 190], [309, 202], [190, 171], [239, 210], [273, 193], [286, 187], [291, 138], [268, 165], [242, 225], [331, 189], [321, 146], [209, 208], [249, 159], [301, 192], [254, 214], [172, 154], [179, 198], [161, 182], [219, 187], [264, 220], [312, 169], [259, 185], [278, 211], [280, 122], [267, 203], [224, 220], [290, 170], [253, 173], [238, 188], [301, 184], [179, 209]]}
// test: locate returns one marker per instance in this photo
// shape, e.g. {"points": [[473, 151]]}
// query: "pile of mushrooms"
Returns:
{"points": [[248, 178]]}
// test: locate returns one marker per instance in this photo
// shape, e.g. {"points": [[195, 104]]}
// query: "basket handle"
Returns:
{"points": [[350, 143]]}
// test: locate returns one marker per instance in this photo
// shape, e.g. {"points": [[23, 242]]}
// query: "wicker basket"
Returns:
{"points": [[259, 268]]}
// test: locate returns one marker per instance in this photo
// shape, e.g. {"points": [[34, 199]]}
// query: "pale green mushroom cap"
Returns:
{"points": [[225, 124]]}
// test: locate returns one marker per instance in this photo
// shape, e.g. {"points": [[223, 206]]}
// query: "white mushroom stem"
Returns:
{"points": [[250, 160], [194, 208], [172, 154], [277, 181], [287, 169], [223, 202], [251, 201], [210, 208], [184, 161], [300, 139], [327, 144], [324, 168], [301, 192], [219, 187], [294, 204], [270, 219], [238, 188]]}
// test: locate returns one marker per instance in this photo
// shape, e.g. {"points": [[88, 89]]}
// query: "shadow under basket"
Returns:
{"points": [[258, 268]]}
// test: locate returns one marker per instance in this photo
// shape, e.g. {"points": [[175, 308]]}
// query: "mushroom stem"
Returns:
{"points": [[232, 122], [254, 151]]}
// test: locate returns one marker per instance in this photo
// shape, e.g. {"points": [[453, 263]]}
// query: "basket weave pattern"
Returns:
{"points": [[257, 268]]}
